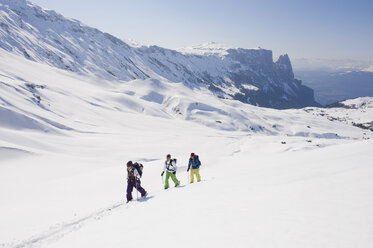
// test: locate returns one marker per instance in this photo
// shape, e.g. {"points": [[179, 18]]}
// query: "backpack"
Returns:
{"points": [[174, 162], [138, 167], [197, 159]]}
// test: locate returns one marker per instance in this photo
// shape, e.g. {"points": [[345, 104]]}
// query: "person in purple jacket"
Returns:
{"points": [[133, 180]]}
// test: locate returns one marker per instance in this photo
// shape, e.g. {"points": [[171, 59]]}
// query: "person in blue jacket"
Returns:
{"points": [[195, 164]]}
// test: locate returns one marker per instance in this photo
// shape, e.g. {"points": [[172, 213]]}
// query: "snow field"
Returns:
{"points": [[62, 167]]}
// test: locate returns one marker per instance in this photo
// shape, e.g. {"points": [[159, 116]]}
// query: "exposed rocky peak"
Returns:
{"points": [[283, 68]]}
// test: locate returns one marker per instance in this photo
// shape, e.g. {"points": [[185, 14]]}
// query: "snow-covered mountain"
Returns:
{"points": [[70, 121], [248, 75]]}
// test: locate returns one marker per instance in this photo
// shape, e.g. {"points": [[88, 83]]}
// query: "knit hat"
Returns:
{"points": [[192, 154], [129, 163]]}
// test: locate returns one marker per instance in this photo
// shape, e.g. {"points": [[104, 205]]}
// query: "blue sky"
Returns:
{"points": [[303, 29]]}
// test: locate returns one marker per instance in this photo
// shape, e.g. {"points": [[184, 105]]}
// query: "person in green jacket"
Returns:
{"points": [[170, 168]]}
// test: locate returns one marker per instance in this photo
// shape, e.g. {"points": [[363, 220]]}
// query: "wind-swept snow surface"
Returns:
{"points": [[304, 199], [270, 178]]}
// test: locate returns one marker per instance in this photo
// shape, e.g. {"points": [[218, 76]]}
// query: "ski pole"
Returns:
{"points": [[162, 180], [137, 191]]}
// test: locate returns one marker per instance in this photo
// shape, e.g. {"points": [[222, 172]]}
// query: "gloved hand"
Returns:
{"points": [[187, 169], [174, 172], [162, 173]]}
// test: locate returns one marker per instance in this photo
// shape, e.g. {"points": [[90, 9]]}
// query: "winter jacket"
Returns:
{"points": [[133, 174], [195, 163], [170, 166]]}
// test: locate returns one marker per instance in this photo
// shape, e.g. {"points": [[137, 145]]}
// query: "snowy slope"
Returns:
{"points": [[207, 49], [276, 177], [272, 202], [46, 102], [357, 112], [309, 199], [46, 36], [358, 103]]}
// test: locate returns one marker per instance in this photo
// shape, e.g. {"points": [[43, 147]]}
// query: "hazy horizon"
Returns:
{"points": [[302, 29]]}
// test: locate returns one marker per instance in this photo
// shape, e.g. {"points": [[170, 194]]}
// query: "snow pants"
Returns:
{"points": [[137, 185], [173, 177], [194, 172]]}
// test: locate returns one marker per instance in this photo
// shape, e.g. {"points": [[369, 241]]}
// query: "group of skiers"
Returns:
{"points": [[134, 173]]}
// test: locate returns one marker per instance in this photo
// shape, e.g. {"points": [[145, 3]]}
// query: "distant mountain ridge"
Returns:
{"points": [[248, 75]]}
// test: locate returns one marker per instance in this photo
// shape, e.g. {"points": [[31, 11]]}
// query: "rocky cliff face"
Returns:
{"points": [[283, 68], [248, 75]]}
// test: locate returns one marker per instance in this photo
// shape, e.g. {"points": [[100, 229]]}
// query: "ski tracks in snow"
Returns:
{"points": [[58, 231]]}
